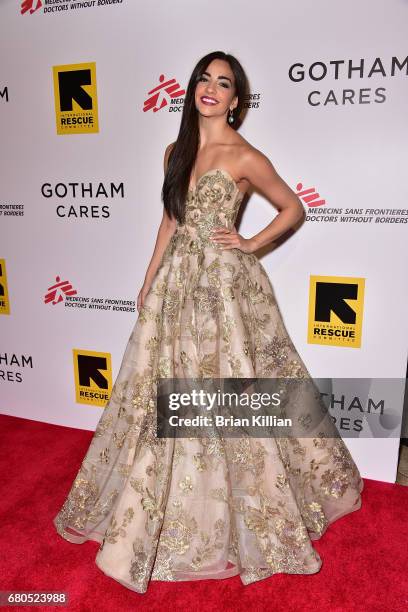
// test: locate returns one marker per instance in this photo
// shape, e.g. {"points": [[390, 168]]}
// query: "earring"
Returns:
{"points": [[231, 117]]}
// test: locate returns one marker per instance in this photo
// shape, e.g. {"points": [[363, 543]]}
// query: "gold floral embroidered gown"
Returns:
{"points": [[188, 509]]}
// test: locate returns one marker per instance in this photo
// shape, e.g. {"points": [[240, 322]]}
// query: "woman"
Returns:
{"points": [[210, 506]]}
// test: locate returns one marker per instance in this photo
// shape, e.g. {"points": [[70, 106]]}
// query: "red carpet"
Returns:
{"points": [[364, 554]]}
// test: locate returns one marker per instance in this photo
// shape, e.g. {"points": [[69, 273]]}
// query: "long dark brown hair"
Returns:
{"points": [[183, 154]]}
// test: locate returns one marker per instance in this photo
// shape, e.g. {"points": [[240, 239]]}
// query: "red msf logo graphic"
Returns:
{"points": [[309, 196], [57, 292], [30, 5], [159, 95]]}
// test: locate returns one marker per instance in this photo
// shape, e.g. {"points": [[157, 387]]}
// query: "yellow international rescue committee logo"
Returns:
{"points": [[93, 377], [336, 310], [4, 296], [76, 103]]}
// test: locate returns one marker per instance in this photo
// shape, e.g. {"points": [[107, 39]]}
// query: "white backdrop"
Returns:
{"points": [[344, 136]]}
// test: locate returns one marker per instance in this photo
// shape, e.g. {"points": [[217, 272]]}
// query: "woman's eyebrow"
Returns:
{"points": [[220, 76]]}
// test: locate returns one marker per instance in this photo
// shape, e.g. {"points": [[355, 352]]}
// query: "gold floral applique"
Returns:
{"points": [[175, 508]]}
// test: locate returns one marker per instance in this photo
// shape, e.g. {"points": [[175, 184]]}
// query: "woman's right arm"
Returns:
{"points": [[166, 230]]}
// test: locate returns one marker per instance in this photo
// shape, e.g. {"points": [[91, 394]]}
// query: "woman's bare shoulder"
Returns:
{"points": [[247, 153]]}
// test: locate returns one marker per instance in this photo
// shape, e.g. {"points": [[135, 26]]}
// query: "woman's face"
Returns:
{"points": [[215, 89]]}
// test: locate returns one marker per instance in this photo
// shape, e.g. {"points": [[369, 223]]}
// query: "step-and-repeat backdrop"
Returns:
{"points": [[91, 92]]}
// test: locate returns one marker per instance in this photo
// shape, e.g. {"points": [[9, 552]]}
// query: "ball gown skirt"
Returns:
{"points": [[212, 507]]}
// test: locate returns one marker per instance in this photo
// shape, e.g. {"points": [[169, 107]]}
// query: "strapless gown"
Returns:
{"points": [[187, 509]]}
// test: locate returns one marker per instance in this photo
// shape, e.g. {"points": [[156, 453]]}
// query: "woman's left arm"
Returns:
{"points": [[260, 172]]}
